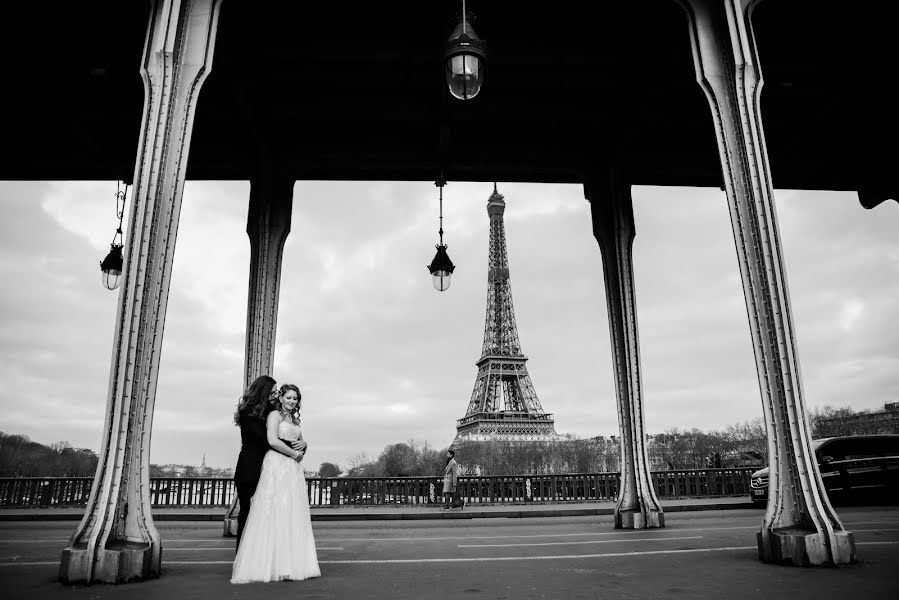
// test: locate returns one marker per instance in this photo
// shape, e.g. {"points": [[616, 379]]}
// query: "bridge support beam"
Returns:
{"points": [[800, 526], [117, 541], [268, 224], [611, 207]]}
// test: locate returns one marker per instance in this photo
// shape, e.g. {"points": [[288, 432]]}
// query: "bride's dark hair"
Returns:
{"points": [[287, 387], [255, 401]]}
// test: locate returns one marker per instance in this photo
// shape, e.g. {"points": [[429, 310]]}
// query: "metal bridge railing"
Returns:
{"points": [[207, 492]]}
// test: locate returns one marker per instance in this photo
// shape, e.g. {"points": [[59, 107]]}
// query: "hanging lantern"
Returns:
{"points": [[441, 267], [464, 57], [111, 266]]}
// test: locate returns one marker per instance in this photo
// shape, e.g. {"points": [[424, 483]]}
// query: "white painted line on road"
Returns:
{"points": [[679, 529], [231, 548], [217, 540], [34, 541], [875, 543], [653, 539], [467, 537], [541, 535], [451, 560], [508, 558], [440, 560]]}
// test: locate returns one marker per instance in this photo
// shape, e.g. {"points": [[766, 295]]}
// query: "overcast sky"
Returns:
{"points": [[382, 357]]}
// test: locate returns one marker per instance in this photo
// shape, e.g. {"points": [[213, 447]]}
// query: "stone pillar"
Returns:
{"points": [[800, 526], [611, 208], [268, 223], [116, 540]]}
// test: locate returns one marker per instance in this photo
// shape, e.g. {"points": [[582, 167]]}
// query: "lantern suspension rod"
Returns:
{"points": [[120, 197], [441, 212]]}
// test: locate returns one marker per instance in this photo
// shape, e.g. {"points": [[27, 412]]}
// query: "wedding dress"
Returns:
{"points": [[277, 542]]}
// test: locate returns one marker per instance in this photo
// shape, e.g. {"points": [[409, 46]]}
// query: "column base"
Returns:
{"points": [[230, 529], [636, 519], [805, 548], [122, 562]]}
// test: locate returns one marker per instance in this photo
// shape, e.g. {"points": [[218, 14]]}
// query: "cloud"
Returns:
{"points": [[382, 357], [852, 311]]}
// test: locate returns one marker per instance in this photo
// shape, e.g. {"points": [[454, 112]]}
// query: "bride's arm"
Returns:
{"points": [[271, 431], [300, 444]]}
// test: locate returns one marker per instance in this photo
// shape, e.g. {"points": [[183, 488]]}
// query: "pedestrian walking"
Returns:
{"points": [[450, 483]]}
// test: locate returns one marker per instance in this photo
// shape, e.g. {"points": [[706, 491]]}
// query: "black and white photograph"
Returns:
{"points": [[450, 299]]}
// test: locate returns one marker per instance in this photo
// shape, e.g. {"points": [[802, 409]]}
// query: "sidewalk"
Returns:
{"points": [[404, 512]]}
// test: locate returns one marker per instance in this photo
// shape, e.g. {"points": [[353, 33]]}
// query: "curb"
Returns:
{"points": [[402, 516]]}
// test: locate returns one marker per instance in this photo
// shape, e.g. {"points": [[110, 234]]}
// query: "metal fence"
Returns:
{"points": [[207, 492]]}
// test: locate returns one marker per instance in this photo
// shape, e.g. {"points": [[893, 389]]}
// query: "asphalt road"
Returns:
{"points": [[698, 555]]}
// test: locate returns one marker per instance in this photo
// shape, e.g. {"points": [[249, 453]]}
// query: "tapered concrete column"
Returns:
{"points": [[116, 540], [613, 227], [800, 526], [268, 223], [871, 197]]}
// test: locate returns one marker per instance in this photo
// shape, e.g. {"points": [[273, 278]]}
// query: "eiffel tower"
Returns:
{"points": [[503, 405]]}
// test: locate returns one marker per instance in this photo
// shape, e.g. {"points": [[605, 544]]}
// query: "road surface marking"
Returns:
{"points": [[692, 537], [439, 560], [34, 541], [542, 535], [874, 543], [508, 558], [451, 560], [231, 548]]}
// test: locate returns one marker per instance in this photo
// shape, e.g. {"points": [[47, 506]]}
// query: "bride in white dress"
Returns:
{"points": [[277, 542]]}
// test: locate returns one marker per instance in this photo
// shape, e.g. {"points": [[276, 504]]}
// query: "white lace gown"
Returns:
{"points": [[277, 542]]}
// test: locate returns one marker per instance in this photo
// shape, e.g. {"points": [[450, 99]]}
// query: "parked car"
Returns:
{"points": [[853, 467]]}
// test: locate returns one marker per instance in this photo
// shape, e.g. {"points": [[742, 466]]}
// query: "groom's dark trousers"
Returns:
{"points": [[254, 445]]}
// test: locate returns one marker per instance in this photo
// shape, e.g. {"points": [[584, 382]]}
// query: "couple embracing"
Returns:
{"points": [[274, 528]]}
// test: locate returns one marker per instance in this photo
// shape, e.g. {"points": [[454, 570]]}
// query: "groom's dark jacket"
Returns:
{"points": [[254, 445]]}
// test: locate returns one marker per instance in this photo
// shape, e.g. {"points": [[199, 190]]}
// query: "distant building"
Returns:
{"points": [[858, 423]]}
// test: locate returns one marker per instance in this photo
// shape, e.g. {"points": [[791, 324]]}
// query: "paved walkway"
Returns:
{"points": [[404, 512]]}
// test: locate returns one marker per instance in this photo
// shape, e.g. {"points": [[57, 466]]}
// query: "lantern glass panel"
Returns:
{"points": [[464, 75], [111, 279], [441, 280]]}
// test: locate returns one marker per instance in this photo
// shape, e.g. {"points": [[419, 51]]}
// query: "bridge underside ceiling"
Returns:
{"points": [[323, 91]]}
